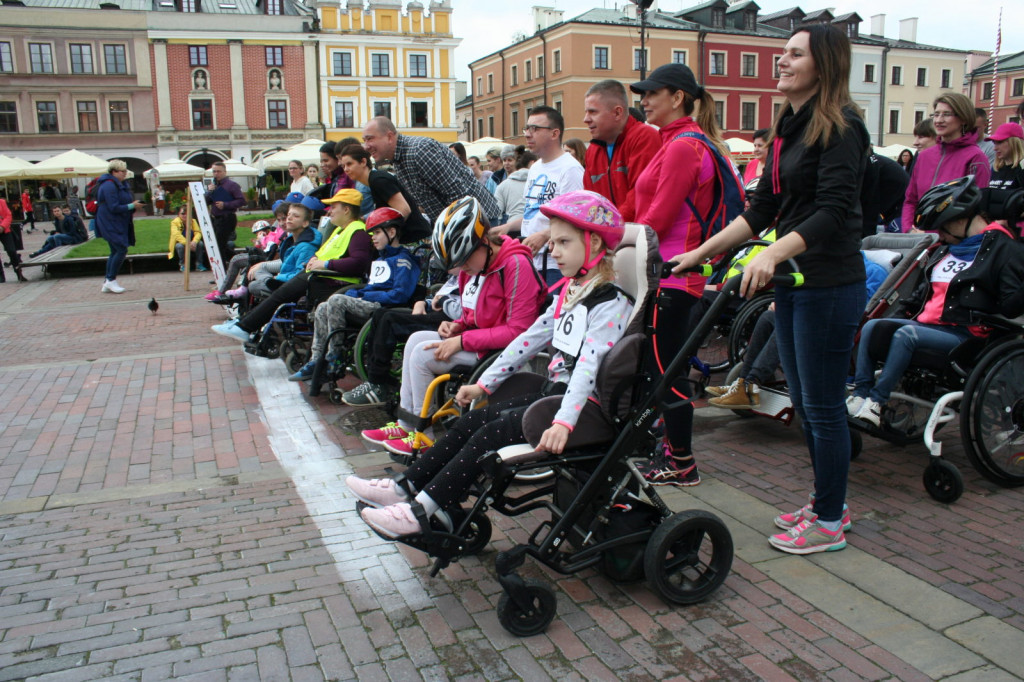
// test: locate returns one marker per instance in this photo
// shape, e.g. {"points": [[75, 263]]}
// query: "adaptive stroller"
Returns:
{"points": [[603, 513]]}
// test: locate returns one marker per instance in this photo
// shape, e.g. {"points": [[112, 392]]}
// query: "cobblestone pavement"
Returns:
{"points": [[173, 509]]}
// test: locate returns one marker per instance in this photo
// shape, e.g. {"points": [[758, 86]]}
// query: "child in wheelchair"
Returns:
{"points": [[392, 281], [981, 269], [581, 325], [264, 249], [501, 296]]}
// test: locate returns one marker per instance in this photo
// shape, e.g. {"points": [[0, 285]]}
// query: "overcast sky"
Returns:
{"points": [[488, 25]]}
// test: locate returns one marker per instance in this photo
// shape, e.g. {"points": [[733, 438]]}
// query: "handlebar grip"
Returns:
{"points": [[792, 279], [704, 269]]}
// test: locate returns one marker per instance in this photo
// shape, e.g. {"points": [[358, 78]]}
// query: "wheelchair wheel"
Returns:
{"points": [[361, 354], [743, 325], [532, 621], [943, 481], [688, 556], [992, 415], [296, 358]]}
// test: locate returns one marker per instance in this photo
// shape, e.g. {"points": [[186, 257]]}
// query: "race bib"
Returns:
{"points": [[570, 329], [380, 272], [472, 292], [948, 268]]}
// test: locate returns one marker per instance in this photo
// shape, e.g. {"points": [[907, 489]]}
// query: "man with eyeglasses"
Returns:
{"points": [[557, 173], [426, 168]]}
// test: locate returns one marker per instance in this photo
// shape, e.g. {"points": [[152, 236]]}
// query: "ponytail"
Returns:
{"points": [[706, 118]]}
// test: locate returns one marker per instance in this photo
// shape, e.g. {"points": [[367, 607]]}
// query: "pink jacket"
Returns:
{"points": [[683, 168], [944, 162], [509, 301]]}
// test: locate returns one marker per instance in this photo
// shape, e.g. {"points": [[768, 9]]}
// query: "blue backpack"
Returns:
{"points": [[727, 203]]}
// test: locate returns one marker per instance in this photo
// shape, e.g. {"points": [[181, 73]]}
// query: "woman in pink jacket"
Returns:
{"points": [[679, 179], [501, 297], [957, 153]]}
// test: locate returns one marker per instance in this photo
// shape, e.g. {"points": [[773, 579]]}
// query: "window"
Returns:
{"points": [[918, 116], [947, 76], [114, 59], [557, 66], [852, 29], [119, 119], [275, 56], [189, 5], [600, 57], [380, 65], [528, 70], [40, 57], [717, 64], [274, 7], [88, 121], [8, 117], [558, 105], [490, 126], [418, 115], [515, 75], [382, 109], [197, 55], [202, 114], [277, 113], [922, 77], [479, 127], [344, 115], [749, 21], [717, 17], [81, 58], [479, 86], [749, 66], [515, 124], [748, 115], [639, 59], [720, 114], [679, 56], [540, 66], [986, 90], [417, 66], [894, 121], [342, 63], [897, 75], [1018, 87], [776, 106], [490, 84], [6, 58], [775, 67], [869, 73], [46, 114]]}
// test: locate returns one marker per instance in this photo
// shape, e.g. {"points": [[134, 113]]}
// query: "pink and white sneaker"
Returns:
{"points": [[240, 292], [393, 521], [376, 492], [389, 431], [808, 538], [212, 296], [804, 515], [400, 446]]}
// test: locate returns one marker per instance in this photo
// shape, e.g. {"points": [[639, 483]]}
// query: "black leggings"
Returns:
{"points": [[673, 328], [389, 328]]}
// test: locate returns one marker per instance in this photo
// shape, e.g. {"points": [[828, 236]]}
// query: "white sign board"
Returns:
{"points": [[206, 226]]}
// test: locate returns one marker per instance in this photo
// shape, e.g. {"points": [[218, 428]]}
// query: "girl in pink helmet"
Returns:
{"points": [[586, 319]]}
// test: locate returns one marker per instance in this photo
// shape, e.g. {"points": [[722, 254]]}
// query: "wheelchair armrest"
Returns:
{"points": [[997, 321]]}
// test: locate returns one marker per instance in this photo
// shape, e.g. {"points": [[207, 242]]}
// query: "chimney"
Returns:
{"points": [[878, 25], [908, 29], [544, 17], [629, 9]]}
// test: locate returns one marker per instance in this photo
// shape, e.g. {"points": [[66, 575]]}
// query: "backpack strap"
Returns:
{"points": [[719, 195]]}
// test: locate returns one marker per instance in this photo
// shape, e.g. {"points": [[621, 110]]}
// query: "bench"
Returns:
{"points": [[54, 259]]}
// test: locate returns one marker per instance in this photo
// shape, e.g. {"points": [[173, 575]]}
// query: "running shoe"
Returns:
{"points": [[810, 538], [389, 431], [853, 405], [400, 446], [393, 521], [870, 412], [376, 492], [662, 469], [366, 394]]}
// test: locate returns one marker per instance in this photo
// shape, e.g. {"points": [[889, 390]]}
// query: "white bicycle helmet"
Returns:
{"points": [[458, 231]]}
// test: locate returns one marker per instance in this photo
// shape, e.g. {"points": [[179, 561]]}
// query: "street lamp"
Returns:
{"points": [[641, 7]]}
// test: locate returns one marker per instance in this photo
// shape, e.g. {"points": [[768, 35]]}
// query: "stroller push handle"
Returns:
{"points": [[704, 269]]}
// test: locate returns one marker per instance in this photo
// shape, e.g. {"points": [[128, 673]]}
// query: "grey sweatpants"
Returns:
{"points": [[337, 312]]}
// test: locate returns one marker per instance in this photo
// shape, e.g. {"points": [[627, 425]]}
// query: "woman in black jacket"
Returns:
{"points": [[812, 181]]}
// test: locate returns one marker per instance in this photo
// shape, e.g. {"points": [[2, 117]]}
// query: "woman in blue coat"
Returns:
{"points": [[114, 209]]}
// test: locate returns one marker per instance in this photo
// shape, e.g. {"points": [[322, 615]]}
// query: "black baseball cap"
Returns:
{"points": [[678, 76]]}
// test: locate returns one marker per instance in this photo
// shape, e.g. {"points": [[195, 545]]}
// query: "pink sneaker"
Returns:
{"points": [[389, 431], [805, 515], [808, 538], [240, 292], [394, 521], [377, 492], [400, 446], [212, 296]]}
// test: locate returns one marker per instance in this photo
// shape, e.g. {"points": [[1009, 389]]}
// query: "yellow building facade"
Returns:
{"points": [[383, 59]]}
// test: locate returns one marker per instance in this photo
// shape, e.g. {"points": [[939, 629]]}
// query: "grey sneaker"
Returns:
{"points": [[366, 394]]}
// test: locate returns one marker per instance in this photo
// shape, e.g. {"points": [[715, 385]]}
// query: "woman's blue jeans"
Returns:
{"points": [[912, 335], [117, 256], [814, 329]]}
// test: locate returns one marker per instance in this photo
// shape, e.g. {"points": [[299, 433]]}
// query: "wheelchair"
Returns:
{"points": [[603, 513]]}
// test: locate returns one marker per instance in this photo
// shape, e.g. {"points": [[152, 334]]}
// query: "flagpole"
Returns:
{"points": [[995, 74]]}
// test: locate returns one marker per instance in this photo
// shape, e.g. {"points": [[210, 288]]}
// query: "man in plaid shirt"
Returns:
{"points": [[428, 169]]}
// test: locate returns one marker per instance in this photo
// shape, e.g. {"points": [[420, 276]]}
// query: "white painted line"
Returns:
{"points": [[317, 467]]}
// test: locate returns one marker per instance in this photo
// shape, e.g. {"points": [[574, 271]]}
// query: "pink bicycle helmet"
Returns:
{"points": [[590, 212]]}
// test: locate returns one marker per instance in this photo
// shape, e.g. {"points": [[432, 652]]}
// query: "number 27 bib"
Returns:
{"points": [[380, 272], [570, 329]]}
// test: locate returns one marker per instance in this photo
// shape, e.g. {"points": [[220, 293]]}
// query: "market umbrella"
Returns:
{"points": [[892, 151], [307, 152], [479, 147], [235, 169], [12, 166], [175, 169], [70, 164]]}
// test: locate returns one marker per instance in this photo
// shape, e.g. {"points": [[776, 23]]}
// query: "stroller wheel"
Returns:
{"points": [[335, 396], [525, 622], [943, 481], [688, 556]]}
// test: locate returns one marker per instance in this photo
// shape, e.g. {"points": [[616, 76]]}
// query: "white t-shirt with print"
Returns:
{"points": [[544, 182]]}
